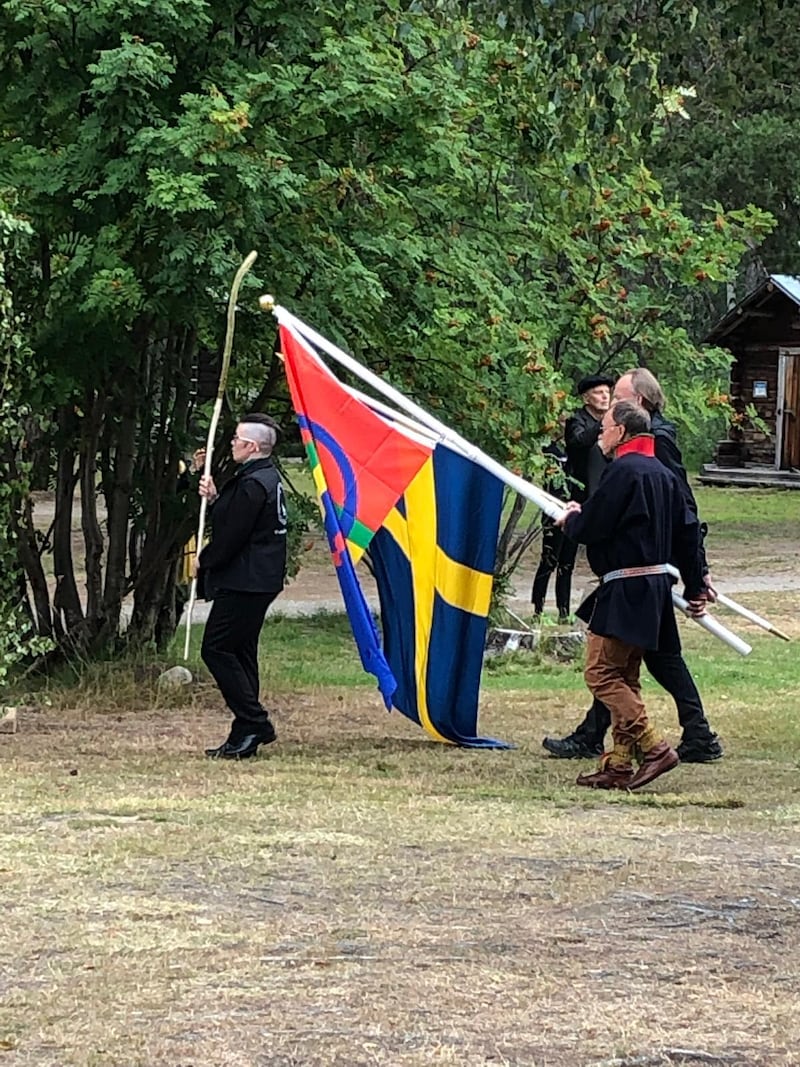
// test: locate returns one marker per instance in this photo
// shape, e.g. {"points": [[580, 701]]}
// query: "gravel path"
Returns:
{"points": [[309, 596]]}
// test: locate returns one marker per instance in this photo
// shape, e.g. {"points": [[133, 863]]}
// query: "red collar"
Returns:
{"points": [[644, 444]]}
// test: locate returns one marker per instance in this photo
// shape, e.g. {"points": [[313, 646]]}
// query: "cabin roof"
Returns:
{"points": [[780, 285]]}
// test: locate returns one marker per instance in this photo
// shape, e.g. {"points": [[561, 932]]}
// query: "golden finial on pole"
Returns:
{"points": [[267, 302]]}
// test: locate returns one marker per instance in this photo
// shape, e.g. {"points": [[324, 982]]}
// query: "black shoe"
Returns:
{"points": [[243, 747], [219, 752], [704, 750], [571, 748]]}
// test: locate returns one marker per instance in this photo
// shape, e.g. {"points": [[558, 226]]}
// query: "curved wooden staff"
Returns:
{"points": [[212, 429]]}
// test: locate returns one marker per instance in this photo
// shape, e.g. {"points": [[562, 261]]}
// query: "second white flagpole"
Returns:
{"points": [[550, 505]]}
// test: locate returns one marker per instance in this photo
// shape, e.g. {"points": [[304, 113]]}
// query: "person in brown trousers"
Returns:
{"points": [[632, 526]]}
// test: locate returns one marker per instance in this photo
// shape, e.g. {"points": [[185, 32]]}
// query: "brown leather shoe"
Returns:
{"points": [[657, 761], [608, 777]]}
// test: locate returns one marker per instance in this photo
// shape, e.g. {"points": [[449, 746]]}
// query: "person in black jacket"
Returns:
{"points": [[585, 461], [699, 744], [558, 552], [634, 523], [242, 570]]}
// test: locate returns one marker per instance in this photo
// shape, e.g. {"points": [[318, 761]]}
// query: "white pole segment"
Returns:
{"points": [[708, 622], [550, 505], [201, 522], [227, 349], [740, 609]]}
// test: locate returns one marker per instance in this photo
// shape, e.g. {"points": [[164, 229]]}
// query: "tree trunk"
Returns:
{"points": [[66, 599], [168, 526], [511, 523], [92, 533], [28, 551]]}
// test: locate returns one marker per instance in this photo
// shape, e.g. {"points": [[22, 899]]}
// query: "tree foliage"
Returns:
{"points": [[458, 196], [18, 637]]}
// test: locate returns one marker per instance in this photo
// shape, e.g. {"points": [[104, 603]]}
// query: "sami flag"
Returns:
{"points": [[430, 520], [362, 460], [361, 466], [433, 562]]}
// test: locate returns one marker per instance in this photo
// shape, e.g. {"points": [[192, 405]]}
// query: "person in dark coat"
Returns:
{"points": [[699, 744], [585, 461], [558, 552], [242, 570], [632, 526]]}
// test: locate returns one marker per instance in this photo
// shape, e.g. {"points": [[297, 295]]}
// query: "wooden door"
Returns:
{"points": [[787, 452]]}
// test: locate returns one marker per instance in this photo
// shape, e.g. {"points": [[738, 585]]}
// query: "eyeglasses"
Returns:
{"points": [[249, 440]]}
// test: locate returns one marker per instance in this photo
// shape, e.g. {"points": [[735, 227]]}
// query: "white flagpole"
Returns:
{"points": [[550, 505], [746, 613], [708, 622]]}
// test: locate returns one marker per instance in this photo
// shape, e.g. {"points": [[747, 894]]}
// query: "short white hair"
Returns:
{"points": [[264, 436]]}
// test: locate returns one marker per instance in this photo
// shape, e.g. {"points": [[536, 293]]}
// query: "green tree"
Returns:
{"points": [[743, 135], [458, 198], [19, 635]]}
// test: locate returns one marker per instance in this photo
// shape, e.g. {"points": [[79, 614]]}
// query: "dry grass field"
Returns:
{"points": [[358, 895]]}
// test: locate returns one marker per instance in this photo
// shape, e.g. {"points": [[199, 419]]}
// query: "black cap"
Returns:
{"points": [[591, 381]]}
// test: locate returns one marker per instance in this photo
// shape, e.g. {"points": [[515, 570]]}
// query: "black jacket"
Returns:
{"points": [[636, 518], [247, 553], [585, 461], [666, 439]]}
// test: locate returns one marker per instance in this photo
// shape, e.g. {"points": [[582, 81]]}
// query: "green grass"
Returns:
{"points": [[359, 895], [319, 650], [734, 507], [730, 513], [753, 513]]}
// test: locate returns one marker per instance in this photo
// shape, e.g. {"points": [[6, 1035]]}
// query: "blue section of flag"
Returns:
{"points": [[363, 625], [320, 436], [466, 506]]}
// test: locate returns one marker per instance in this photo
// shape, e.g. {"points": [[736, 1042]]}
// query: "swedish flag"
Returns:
{"points": [[433, 560]]}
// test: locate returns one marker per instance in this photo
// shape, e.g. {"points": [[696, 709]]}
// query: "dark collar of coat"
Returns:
{"points": [[259, 464]]}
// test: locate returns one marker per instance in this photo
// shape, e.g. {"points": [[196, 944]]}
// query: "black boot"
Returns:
{"points": [[572, 747]]}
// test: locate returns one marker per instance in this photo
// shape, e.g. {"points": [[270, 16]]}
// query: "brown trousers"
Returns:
{"points": [[612, 675]]}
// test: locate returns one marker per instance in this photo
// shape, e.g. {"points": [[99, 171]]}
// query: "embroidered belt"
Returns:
{"points": [[634, 572]]}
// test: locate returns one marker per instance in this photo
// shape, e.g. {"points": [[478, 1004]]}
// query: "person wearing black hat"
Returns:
{"points": [[585, 461], [242, 570]]}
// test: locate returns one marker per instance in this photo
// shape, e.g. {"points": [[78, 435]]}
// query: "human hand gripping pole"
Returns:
{"points": [[212, 429]]}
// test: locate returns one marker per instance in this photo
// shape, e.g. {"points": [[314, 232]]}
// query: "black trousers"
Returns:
{"points": [[558, 554], [230, 651], [670, 671]]}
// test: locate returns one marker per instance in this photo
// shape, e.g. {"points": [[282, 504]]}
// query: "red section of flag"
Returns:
{"points": [[367, 463]]}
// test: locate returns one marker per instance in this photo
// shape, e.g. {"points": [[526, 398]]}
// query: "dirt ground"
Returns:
{"points": [[360, 896]]}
